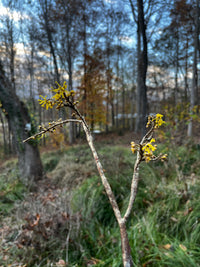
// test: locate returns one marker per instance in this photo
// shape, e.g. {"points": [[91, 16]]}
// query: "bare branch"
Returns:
{"points": [[102, 175], [52, 127], [133, 10], [81, 117], [139, 159], [149, 134], [134, 186]]}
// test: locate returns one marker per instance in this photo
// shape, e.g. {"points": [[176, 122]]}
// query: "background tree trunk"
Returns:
{"points": [[141, 70], [142, 64], [5, 145], [194, 89], [30, 165]]}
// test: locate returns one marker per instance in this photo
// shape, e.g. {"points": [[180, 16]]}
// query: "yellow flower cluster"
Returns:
{"points": [[134, 147], [157, 120], [44, 102], [62, 92], [61, 96], [164, 157], [148, 150]]}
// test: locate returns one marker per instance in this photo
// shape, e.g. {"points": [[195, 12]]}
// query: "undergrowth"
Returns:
{"points": [[74, 221], [11, 188]]}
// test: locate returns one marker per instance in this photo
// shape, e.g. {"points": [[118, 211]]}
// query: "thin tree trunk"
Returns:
{"points": [[12, 59], [118, 85], [132, 109], [70, 84], [194, 89], [176, 68], [85, 51], [10, 143], [4, 135], [123, 103], [50, 40], [31, 70], [109, 100]]}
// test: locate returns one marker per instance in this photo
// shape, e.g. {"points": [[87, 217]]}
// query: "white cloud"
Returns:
{"points": [[110, 1], [14, 15], [128, 40]]}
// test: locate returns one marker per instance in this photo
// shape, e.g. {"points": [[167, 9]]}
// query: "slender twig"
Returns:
{"points": [[134, 186], [149, 134], [81, 117], [135, 179], [52, 127]]}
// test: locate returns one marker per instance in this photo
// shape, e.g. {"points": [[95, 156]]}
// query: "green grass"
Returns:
{"points": [[164, 227], [50, 160], [166, 211], [11, 188]]}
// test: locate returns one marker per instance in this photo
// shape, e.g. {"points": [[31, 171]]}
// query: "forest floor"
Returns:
{"points": [[68, 221]]}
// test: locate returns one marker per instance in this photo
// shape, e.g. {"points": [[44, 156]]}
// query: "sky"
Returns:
{"points": [[15, 15]]}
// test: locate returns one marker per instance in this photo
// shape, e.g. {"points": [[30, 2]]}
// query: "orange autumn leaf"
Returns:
{"points": [[167, 246], [35, 222], [61, 263]]}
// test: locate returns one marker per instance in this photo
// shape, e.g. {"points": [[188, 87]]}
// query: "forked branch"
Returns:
{"points": [[144, 151]]}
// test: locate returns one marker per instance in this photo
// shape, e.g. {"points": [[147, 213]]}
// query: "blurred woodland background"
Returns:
{"points": [[124, 59]]}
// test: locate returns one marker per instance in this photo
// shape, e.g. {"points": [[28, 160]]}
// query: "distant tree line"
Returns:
{"points": [[123, 58]]}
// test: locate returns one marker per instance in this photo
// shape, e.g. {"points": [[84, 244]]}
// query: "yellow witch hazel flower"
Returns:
{"points": [[159, 120], [134, 147], [148, 150], [146, 147], [60, 91], [44, 102], [60, 97], [164, 157]]}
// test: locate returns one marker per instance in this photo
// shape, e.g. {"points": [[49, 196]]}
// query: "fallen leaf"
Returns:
{"points": [[167, 246], [93, 261], [61, 263], [188, 211], [182, 247], [33, 220], [173, 219], [19, 245]]}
